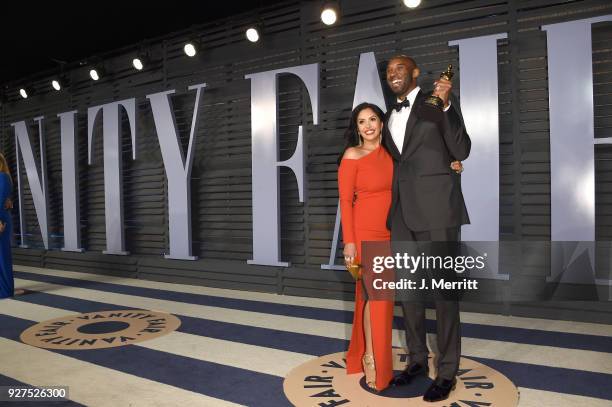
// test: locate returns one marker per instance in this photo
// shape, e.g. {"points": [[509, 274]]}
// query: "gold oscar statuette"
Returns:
{"points": [[434, 101]]}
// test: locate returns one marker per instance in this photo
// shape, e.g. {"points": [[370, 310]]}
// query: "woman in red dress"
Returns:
{"points": [[364, 183]]}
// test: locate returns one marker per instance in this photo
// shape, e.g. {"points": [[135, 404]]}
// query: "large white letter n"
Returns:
{"points": [[36, 180]]}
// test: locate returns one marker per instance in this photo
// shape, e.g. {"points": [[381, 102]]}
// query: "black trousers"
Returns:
{"points": [[447, 311]]}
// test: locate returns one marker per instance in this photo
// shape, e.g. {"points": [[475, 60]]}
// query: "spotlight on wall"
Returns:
{"points": [[60, 82], [412, 3], [137, 63], [97, 71], [141, 58], [95, 74], [252, 33], [25, 92], [191, 49], [329, 14]]}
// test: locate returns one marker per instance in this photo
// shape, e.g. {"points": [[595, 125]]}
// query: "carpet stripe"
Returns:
{"points": [[88, 383], [544, 355], [211, 379], [329, 304], [541, 398], [563, 379], [221, 325], [236, 354], [288, 341], [500, 333], [525, 370], [570, 381], [222, 314]]}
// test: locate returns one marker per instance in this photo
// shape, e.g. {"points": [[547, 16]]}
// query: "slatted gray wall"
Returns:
{"points": [[221, 185]]}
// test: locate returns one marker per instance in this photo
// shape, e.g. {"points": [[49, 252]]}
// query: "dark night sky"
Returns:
{"points": [[32, 34]]}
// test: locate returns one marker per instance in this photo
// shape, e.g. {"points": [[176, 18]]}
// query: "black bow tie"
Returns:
{"points": [[398, 106]]}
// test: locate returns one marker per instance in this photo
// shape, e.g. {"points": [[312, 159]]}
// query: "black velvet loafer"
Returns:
{"points": [[439, 390], [413, 370]]}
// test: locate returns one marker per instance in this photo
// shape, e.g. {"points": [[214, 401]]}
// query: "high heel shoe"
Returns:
{"points": [[369, 369]]}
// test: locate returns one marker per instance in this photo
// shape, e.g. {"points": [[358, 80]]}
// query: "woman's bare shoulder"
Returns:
{"points": [[353, 153]]}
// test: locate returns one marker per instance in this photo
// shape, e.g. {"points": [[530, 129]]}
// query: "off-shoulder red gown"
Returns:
{"points": [[365, 197]]}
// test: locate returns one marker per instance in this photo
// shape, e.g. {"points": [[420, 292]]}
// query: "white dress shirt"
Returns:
{"points": [[398, 120]]}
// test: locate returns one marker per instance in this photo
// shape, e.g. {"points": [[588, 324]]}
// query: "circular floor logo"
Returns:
{"points": [[97, 330], [324, 382]]}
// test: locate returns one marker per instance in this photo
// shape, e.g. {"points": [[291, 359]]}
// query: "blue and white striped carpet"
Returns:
{"points": [[235, 347]]}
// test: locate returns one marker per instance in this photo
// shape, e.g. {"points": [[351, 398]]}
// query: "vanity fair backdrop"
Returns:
{"points": [[536, 172]]}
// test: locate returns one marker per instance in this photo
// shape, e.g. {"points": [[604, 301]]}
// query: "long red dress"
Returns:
{"points": [[364, 186]]}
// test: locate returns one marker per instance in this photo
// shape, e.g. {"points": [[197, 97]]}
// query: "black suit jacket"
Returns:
{"points": [[429, 191]]}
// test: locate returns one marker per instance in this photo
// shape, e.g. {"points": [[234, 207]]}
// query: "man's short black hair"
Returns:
{"points": [[403, 56]]}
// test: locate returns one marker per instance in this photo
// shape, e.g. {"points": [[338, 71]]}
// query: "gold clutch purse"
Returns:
{"points": [[355, 270]]}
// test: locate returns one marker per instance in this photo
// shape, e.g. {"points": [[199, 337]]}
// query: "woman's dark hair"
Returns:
{"points": [[351, 135]]}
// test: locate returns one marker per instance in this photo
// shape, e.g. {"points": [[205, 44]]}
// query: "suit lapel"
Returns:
{"points": [[412, 140]]}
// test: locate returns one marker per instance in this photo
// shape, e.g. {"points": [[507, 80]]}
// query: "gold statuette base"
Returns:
{"points": [[435, 102]]}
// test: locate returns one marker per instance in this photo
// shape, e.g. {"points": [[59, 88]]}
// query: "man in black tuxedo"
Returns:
{"points": [[427, 206]]}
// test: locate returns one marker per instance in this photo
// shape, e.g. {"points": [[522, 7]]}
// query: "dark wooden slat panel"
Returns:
{"points": [[221, 183]]}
